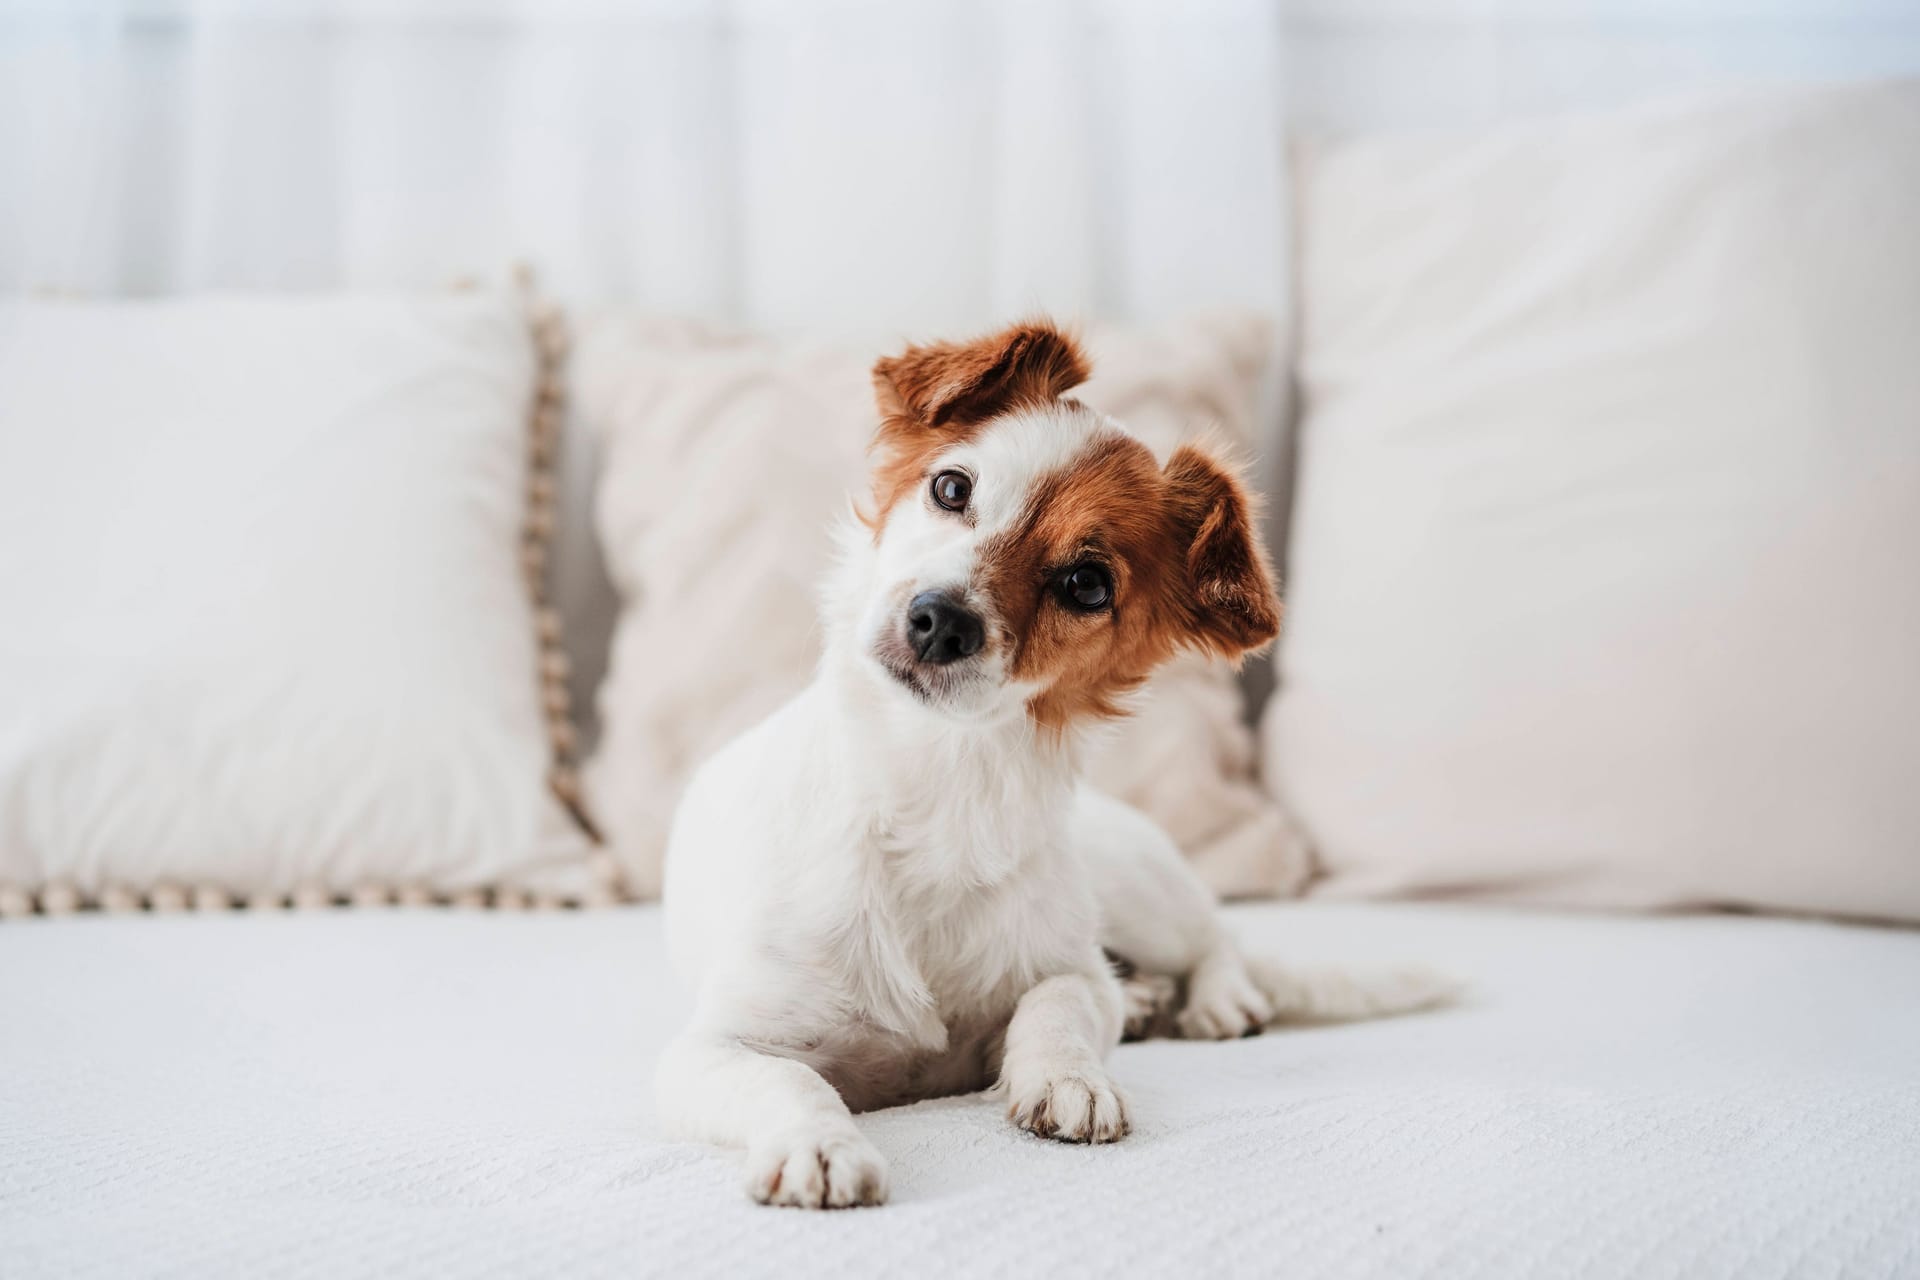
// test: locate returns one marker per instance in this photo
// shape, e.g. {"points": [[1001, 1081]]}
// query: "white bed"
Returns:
{"points": [[434, 1094]]}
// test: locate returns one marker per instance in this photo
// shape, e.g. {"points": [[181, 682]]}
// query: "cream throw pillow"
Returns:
{"points": [[267, 633], [725, 460], [1603, 584]]}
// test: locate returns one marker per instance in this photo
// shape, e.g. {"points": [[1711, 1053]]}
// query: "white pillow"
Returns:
{"points": [[266, 625], [1603, 584], [725, 460]]}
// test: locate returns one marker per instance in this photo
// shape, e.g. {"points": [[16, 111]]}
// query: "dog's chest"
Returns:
{"points": [[957, 1049], [872, 1069], [970, 899], [968, 958]]}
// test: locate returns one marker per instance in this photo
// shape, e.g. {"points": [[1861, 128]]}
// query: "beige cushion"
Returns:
{"points": [[726, 459], [268, 632], [1603, 581]]}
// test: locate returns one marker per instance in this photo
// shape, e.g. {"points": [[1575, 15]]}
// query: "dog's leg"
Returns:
{"points": [[1223, 1001], [803, 1147], [1158, 916], [1054, 1071]]}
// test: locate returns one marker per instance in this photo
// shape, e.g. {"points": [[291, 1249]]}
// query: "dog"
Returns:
{"points": [[896, 887]]}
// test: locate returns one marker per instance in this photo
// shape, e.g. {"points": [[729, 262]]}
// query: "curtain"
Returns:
{"points": [[848, 166]]}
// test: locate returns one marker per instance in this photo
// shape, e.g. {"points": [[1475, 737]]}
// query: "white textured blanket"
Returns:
{"points": [[433, 1094]]}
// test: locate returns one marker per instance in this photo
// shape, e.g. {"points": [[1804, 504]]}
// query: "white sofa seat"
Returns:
{"points": [[435, 1094]]}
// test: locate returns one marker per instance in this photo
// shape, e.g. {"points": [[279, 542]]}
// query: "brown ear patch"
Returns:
{"points": [[1234, 609], [958, 383], [933, 395]]}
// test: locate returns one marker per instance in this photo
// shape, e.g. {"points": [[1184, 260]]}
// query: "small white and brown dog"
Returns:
{"points": [[894, 887]]}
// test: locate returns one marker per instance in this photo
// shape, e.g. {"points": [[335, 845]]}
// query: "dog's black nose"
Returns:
{"points": [[940, 629]]}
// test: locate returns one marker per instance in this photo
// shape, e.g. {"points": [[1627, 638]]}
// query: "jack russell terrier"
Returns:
{"points": [[895, 887]]}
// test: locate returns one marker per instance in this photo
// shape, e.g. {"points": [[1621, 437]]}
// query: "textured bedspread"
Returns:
{"points": [[435, 1094]]}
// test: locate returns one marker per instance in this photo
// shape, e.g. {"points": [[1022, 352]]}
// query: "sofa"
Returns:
{"points": [[404, 1092], [1598, 692]]}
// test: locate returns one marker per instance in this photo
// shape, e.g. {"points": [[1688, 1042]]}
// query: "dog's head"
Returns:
{"points": [[1029, 554]]}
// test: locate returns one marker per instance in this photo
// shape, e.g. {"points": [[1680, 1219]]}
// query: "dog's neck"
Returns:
{"points": [[957, 803]]}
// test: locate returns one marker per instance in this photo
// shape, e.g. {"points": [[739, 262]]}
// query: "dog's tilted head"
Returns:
{"points": [[1029, 554]]}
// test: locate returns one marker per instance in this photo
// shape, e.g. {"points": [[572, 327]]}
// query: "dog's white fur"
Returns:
{"points": [[884, 896]]}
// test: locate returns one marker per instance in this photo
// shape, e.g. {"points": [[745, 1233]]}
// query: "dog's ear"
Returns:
{"points": [[1232, 608], [956, 383]]}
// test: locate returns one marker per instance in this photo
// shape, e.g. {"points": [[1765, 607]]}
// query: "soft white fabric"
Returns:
{"points": [[1602, 575], [724, 157], [837, 165], [406, 1094], [1356, 66], [726, 461], [265, 620]]}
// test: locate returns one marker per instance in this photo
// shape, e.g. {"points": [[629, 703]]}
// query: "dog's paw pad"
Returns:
{"points": [[817, 1171], [1072, 1108]]}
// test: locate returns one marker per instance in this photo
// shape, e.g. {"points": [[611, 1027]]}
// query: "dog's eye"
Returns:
{"points": [[1086, 588], [951, 489]]}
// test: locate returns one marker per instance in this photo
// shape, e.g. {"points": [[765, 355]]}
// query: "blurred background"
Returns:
{"points": [[856, 166]]}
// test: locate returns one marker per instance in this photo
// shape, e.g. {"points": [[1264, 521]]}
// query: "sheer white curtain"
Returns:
{"points": [[1360, 65], [854, 165], [844, 165]]}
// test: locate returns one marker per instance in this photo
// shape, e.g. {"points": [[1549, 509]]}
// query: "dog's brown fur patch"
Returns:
{"points": [[1233, 608], [936, 395], [1186, 565], [1108, 508]]}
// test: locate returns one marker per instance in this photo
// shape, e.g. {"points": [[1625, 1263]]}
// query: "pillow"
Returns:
{"points": [[726, 461], [1602, 582], [267, 630]]}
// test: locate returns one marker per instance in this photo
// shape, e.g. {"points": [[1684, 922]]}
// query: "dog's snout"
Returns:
{"points": [[941, 629]]}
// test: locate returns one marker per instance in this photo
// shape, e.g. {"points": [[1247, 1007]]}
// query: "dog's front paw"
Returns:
{"points": [[817, 1171], [1223, 1002], [1082, 1106]]}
